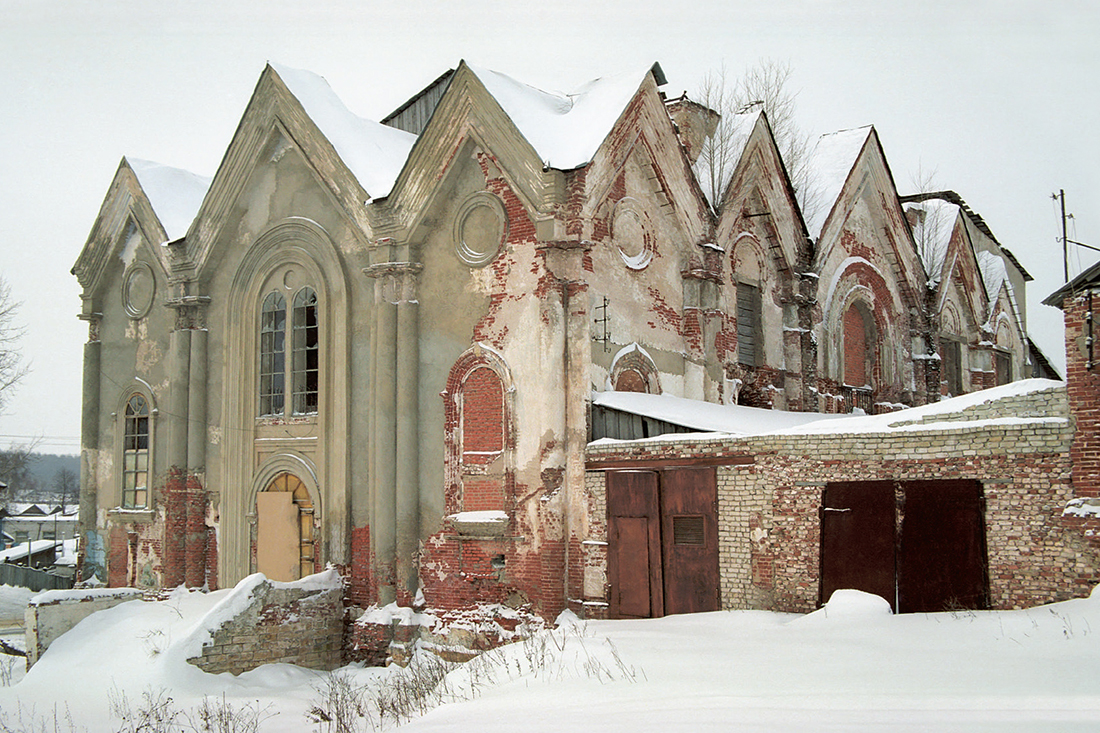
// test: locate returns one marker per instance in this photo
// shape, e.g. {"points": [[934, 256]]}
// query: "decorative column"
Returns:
{"points": [[394, 439], [196, 531], [565, 261], [93, 559]]}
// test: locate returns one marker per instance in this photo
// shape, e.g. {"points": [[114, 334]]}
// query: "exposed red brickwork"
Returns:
{"points": [[118, 558], [855, 347], [360, 589], [175, 530], [1083, 384], [482, 415], [195, 539], [630, 380]]}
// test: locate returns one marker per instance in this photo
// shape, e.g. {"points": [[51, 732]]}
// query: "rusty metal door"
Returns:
{"points": [[634, 534], [942, 562], [857, 538], [689, 532]]}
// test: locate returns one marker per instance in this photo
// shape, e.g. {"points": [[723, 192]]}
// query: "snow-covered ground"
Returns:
{"points": [[850, 666]]}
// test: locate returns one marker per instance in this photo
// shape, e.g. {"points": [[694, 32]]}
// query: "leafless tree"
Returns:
{"points": [[12, 368], [65, 486], [765, 85], [929, 221]]}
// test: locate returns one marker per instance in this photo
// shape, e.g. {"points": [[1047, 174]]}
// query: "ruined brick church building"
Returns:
{"points": [[423, 351]]}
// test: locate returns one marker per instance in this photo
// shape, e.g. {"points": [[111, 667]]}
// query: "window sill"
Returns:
{"points": [[119, 514]]}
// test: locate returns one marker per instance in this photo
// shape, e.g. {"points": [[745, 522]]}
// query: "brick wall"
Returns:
{"points": [[1083, 384], [296, 623], [769, 525]]}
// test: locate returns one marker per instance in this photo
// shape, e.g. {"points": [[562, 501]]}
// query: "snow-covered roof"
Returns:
{"points": [[705, 416], [373, 152], [174, 194], [748, 421], [564, 129], [18, 508], [932, 233], [18, 552], [830, 165], [924, 417], [735, 131]]}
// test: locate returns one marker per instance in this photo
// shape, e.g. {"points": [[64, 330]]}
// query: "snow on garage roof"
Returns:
{"points": [[373, 152], [705, 416], [565, 129], [746, 421]]}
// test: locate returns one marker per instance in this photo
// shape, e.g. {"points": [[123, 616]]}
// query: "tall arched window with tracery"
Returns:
{"points": [[306, 352], [272, 354], [135, 453], [301, 331]]}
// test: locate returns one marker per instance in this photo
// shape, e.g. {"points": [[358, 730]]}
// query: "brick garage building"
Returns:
{"points": [[986, 476], [376, 345]]}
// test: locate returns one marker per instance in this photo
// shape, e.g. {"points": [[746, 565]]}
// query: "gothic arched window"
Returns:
{"points": [[301, 331], [135, 453]]}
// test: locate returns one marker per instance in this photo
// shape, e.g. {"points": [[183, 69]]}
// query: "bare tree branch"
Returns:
{"points": [[766, 85], [11, 367]]}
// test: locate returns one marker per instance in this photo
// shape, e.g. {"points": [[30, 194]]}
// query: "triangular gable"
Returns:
{"points": [[760, 169], [834, 173], [961, 270], [533, 136], [645, 132], [155, 201], [565, 130], [831, 165], [997, 286], [725, 155], [355, 159], [373, 152], [933, 223]]}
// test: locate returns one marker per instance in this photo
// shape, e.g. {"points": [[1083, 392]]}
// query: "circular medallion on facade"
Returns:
{"points": [[480, 229], [630, 234], [138, 289], [290, 278]]}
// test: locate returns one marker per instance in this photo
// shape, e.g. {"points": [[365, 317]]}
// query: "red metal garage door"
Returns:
{"points": [[634, 539], [689, 536], [918, 544], [857, 538], [942, 553]]}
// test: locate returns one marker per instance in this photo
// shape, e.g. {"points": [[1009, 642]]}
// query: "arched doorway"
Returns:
{"points": [[284, 529]]}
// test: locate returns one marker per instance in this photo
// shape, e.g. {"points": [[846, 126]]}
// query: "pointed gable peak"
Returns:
{"points": [[173, 193], [565, 129], [831, 164], [932, 222], [716, 166], [374, 153]]}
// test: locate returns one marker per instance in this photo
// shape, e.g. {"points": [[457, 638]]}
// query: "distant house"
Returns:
{"points": [[390, 346], [38, 521], [35, 553]]}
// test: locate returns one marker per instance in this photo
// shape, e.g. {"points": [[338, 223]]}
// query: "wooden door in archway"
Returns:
{"points": [[284, 529]]}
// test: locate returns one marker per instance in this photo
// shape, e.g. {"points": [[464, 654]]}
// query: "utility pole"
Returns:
{"points": [[1065, 242]]}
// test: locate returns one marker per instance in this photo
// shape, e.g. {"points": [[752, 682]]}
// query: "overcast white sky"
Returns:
{"points": [[1000, 98]]}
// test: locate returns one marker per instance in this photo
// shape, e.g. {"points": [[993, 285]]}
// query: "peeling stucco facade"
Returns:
{"points": [[459, 326]]}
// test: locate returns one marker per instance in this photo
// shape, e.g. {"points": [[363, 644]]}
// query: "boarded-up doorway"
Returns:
{"points": [[663, 542], [918, 544], [284, 529]]}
